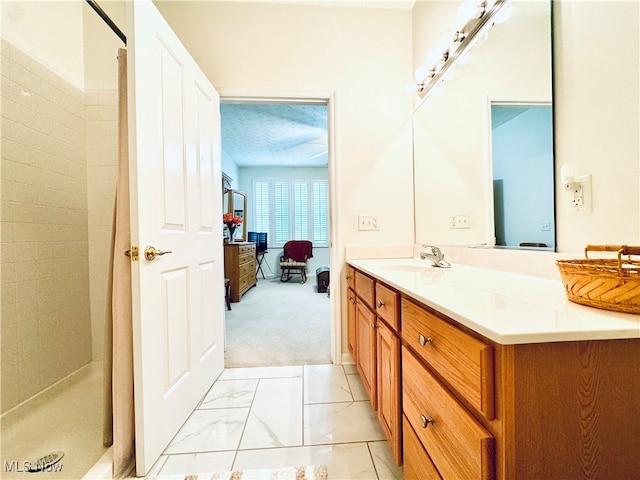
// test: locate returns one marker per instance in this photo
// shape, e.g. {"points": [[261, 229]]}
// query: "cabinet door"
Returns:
{"points": [[388, 371], [351, 323], [366, 349]]}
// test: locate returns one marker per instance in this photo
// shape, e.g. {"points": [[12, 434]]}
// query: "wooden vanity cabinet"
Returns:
{"points": [[568, 410], [476, 409], [555, 410], [376, 351]]}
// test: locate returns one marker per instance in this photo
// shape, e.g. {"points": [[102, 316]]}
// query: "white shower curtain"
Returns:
{"points": [[119, 426]]}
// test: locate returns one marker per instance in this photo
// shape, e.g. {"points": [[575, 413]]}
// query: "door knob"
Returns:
{"points": [[150, 253]]}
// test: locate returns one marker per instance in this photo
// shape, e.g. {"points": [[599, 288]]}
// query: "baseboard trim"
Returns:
{"points": [[347, 359]]}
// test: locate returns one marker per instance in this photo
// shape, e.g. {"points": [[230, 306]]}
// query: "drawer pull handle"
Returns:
{"points": [[373, 325], [425, 422], [424, 340], [379, 304], [352, 300]]}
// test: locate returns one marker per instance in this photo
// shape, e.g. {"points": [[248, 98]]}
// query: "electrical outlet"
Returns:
{"points": [[368, 222], [580, 202], [575, 193], [458, 220]]}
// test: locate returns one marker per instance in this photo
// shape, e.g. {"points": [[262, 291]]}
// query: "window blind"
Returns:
{"points": [[292, 210]]}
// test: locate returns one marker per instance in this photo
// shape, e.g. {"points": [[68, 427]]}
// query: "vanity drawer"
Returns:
{"points": [[351, 277], [416, 463], [456, 443], [463, 361], [365, 288], [387, 305]]}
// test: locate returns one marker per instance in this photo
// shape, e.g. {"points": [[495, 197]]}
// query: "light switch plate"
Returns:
{"points": [[368, 222], [458, 220]]}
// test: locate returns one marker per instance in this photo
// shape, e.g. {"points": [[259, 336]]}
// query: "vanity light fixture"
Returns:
{"points": [[459, 36], [476, 16]]}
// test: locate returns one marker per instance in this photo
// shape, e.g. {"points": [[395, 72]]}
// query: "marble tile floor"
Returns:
{"points": [[274, 417]]}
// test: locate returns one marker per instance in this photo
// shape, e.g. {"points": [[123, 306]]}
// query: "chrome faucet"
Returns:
{"points": [[436, 256]]}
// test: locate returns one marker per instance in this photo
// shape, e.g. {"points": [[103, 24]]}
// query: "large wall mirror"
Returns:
{"points": [[483, 141], [235, 201]]}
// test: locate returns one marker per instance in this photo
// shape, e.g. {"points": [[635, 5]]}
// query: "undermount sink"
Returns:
{"points": [[406, 267], [421, 271]]}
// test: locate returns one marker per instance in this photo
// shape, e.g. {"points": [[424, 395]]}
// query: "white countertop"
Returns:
{"points": [[505, 307]]}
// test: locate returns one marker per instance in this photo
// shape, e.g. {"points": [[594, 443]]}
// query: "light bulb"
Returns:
{"points": [[432, 57], [481, 38], [421, 73], [467, 10], [446, 37], [504, 14], [411, 88]]}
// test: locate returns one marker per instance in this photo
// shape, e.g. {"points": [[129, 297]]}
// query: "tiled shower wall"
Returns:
{"points": [[101, 150], [45, 332]]}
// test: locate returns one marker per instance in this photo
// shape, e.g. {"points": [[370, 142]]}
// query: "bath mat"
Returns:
{"points": [[311, 472]]}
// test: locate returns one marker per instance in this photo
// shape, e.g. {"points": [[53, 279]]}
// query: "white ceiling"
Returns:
{"points": [[275, 134]]}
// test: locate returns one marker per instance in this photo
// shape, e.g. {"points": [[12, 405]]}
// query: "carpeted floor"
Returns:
{"points": [[278, 323]]}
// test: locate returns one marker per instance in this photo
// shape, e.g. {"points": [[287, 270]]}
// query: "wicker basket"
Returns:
{"points": [[610, 284]]}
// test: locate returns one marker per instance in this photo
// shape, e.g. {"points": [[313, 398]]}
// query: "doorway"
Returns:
{"points": [[523, 167], [277, 151]]}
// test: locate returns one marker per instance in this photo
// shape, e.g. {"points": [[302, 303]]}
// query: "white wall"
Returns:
{"points": [[597, 108], [50, 33], [362, 55]]}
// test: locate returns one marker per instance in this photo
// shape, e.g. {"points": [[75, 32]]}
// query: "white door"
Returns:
{"points": [[176, 206]]}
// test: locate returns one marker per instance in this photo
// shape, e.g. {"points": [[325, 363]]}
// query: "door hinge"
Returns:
{"points": [[133, 253]]}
